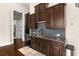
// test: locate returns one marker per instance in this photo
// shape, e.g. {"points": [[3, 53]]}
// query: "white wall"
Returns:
{"points": [[4, 24], [72, 26], [52, 4], [32, 7], [6, 21]]}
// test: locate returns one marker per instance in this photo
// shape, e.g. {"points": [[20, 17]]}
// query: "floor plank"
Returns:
{"points": [[12, 50]]}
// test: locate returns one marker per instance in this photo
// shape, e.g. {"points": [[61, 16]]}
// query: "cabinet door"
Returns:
{"points": [[31, 21], [59, 49], [33, 43], [56, 48], [44, 44], [44, 48], [50, 17], [59, 16], [37, 13], [42, 10], [41, 45], [38, 47], [26, 19], [43, 6], [42, 16], [62, 51]]}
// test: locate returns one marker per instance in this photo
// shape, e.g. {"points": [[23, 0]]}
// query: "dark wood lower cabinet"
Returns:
{"points": [[45, 49], [55, 51], [44, 46], [56, 48], [34, 43], [48, 47], [38, 46]]}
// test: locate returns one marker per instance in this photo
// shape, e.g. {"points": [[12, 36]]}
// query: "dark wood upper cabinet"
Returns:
{"points": [[26, 19], [37, 13], [59, 16], [55, 16], [50, 17], [40, 11], [31, 21]]}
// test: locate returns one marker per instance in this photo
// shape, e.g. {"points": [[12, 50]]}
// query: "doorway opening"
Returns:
{"points": [[17, 25], [18, 29]]}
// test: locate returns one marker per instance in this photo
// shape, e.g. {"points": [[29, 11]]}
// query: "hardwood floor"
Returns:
{"points": [[7, 50], [12, 50], [18, 43]]}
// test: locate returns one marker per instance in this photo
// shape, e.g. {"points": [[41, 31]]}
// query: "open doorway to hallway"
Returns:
{"points": [[18, 43]]}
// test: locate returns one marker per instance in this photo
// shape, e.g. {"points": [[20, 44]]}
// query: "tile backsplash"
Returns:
{"points": [[54, 32], [49, 32]]}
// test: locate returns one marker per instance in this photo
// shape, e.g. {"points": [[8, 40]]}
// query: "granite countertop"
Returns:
{"points": [[62, 40]]}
